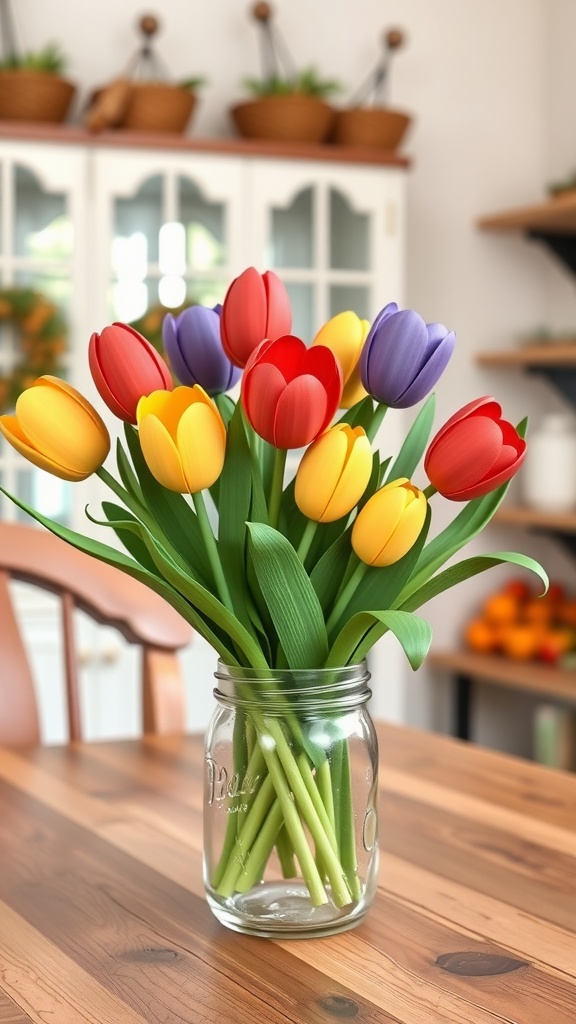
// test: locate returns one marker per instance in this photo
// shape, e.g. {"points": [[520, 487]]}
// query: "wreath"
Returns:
{"points": [[42, 340]]}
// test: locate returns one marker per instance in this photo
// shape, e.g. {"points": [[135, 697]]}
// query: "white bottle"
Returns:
{"points": [[549, 471]]}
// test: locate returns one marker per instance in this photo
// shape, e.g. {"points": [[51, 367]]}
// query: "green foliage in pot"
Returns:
{"points": [[50, 60], [306, 82]]}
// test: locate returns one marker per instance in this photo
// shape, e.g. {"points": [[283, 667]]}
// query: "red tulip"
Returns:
{"points": [[125, 367], [474, 452], [256, 307], [290, 393]]}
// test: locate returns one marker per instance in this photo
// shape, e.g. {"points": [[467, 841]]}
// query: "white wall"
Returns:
{"points": [[478, 76]]}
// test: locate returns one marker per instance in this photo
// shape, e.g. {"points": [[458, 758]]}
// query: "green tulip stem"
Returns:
{"points": [[379, 414], [212, 551], [429, 491], [307, 538], [345, 596], [276, 488]]}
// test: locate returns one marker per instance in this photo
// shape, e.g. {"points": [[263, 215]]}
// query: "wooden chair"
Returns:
{"points": [[110, 597]]}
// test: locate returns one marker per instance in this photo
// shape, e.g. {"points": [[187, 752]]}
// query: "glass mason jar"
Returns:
{"points": [[290, 803]]}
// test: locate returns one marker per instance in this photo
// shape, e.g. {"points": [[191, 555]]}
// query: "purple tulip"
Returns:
{"points": [[403, 357], [193, 346]]}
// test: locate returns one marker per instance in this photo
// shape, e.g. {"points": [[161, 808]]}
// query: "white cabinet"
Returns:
{"points": [[112, 231]]}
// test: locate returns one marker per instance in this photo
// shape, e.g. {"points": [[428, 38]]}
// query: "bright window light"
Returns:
{"points": [[172, 249], [171, 291]]}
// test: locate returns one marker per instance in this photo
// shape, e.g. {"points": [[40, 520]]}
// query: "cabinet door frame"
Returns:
{"points": [[377, 192]]}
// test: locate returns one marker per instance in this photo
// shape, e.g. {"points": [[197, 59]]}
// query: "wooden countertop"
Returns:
{"points": [[102, 916]]}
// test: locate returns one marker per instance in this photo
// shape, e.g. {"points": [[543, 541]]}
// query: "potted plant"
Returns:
{"points": [[368, 120], [144, 98], [288, 105], [32, 87]]}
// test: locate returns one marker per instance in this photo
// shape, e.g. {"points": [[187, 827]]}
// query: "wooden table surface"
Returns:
{"points": [[102, 917]]}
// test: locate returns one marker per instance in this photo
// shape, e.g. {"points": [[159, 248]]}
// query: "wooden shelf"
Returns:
{"points": [[13, 130], [556, 216], [528, 676], [554, 353], [559, 522]]}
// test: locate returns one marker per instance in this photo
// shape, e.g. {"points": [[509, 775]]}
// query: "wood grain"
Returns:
{"points": [[102, 915], [530, 677]]}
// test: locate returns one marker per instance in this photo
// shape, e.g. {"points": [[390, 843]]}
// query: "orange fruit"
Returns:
{"points": [[554, 644], [479, 636], [567, 613], [501, 608], [538, 610], [519, 589], [520, 642]]}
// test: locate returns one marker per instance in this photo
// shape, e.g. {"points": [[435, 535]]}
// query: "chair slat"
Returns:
{"points": [[163, 692], [71, 667], [18, 712]]}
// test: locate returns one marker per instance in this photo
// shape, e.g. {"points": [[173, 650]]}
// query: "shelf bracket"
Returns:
{"points": [[563, 246], [563, 378]]}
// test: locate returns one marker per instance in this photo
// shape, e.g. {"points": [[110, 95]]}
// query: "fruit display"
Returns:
{"points": [[517, 624]]}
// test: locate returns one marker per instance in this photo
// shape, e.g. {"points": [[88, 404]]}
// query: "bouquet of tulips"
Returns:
{"points": [[305, 574]]}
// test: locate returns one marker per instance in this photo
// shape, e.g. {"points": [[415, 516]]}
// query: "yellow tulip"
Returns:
{"points": [[183, 438], [389, 524], [56, 429], [345, 335], [334, 473]]}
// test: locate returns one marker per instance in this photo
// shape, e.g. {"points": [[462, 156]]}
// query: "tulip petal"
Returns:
{"points": [[491, 481], [201, 446], [465, 453], [353, 481], [161, 454], [300, 412], [344, 336], [261, 390], [125, 366], [430, 373], [279, 313], [396, 355], [59, 427], [320, 362], [288, 354], [406, 533], [485, 406], [376, 523], [319, 472], [12, 431], [243, 320], [173, 351]]}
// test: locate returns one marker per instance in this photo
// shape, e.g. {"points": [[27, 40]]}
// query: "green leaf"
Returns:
{"points": [[127, 474], [226, 407], [328, 573], [197, 595], [358, 636], [235, 499], [290, 596], [464, 570], [172, 512], [359, 415], [415, 442], [121, 561], [134, 546]]}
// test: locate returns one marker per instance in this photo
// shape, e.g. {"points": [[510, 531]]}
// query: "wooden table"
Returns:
{"points": [[102, 917]]}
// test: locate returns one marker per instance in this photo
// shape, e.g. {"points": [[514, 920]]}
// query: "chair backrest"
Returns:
{"points": [[110, 597]]}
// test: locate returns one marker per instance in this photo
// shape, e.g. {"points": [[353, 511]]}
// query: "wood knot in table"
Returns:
{"points": [[477, 965], [339, 1006], [151, 955]]}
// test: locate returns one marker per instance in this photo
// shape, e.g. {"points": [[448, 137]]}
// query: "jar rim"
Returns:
{"points": [[299, 676]]}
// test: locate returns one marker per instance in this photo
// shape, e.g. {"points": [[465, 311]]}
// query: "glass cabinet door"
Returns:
{"points": [[333, 234], [40, 299], [171, 231]]}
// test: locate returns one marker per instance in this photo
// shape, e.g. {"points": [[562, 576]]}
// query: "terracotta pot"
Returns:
{"points": [[34, 96], [369, 126], [158, 107], [295, 117]]}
